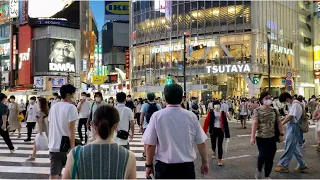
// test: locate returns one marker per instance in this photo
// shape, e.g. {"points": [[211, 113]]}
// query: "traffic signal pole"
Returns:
{"points": [[269, 65], [184, 65]]}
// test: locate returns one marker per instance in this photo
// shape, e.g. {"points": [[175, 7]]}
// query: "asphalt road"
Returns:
{"points": [[240, 159]]}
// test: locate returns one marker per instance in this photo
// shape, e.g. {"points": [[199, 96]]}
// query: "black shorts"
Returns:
{"points": [[57, 162]]}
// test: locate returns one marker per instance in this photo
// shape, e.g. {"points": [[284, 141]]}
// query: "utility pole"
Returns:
{"points": [[185, 34], [269, 65]]}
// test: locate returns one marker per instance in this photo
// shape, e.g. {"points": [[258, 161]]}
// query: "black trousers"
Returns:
{"points": [[138, 118], [267, 148], [82, 122], [6, 138], [30, 126], [217, 134], [174, 171]]}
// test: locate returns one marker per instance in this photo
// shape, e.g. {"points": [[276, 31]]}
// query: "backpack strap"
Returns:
{"points": [[76, 153]]}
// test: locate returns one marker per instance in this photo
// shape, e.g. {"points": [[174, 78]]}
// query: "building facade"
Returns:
{"points": [[233, 36]]}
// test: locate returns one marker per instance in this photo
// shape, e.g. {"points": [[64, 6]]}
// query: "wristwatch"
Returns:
{"points": [[149, 165]]}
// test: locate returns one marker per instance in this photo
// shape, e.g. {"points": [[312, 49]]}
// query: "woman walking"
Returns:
{"points": [[138, 110], [14, 123], [217, 123], [266, 131], [42, 124], [103, 158]]}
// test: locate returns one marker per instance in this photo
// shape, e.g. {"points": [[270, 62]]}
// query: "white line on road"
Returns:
{"points": [[244, 135], [236, 157], [23, 159]]}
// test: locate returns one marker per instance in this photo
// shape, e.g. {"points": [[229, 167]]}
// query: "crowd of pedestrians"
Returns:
{"points": [[170, 128]]}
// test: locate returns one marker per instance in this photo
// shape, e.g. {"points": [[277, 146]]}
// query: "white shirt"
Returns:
{"points": [[210, 106], [84, 111], [59, 117], [138, 108], [224, 107], [295, 110], [126, 115], [217, 119], [174, 131], [22, 106], [33, 111]]}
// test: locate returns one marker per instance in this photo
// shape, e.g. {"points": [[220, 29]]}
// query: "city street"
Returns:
{"points": [[239, 161]]}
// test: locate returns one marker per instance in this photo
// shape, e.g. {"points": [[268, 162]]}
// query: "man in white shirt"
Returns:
{"points": [[126, 121], [62, 118], [33, 112], [170, 137], [293, 133], [84, 110]]}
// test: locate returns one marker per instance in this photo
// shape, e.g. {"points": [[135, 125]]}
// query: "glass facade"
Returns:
{"points": [[231, 32]]}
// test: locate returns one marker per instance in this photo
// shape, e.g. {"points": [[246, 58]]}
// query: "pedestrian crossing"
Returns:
{"points": [[15, 166]]}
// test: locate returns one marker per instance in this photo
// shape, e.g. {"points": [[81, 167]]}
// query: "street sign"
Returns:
{"points": [[289, 82], [190, 50], [284, 81], [289, 88], [289, 74]]}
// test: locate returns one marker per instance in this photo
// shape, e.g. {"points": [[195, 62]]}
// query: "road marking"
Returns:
{"points": [[244, 135], [23, 159], [236, 157], [136, 148], [23, 151]]}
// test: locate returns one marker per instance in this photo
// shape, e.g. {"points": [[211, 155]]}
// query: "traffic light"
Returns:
{"points": [[169, 81], [255, 80]]}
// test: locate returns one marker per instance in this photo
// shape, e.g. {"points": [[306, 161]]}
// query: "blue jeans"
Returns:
{"points": [[292, 148]]}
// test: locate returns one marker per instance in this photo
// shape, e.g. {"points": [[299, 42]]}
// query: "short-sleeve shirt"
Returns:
{"points": [[174, 131], [126, 115], [33, 112], [59, 117], [296, 111], [3, 111], [266, 121], [144, 110]]}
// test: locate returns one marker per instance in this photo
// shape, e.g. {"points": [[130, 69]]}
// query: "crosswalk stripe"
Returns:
{"points": [[18, 163]]}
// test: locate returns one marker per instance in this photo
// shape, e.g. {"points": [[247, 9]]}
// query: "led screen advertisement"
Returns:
{"points": [[54, 12], [55, 55]]}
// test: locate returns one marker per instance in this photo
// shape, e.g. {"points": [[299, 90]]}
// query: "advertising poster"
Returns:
{"points": [[63, 56], [54, 12], [127, 64], [116, 10], [24, 73]]}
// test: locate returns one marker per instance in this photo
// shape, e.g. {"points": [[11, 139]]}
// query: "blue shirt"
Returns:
{"points": [[144, 110]]}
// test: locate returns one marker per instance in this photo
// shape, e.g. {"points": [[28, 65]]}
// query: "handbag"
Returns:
{"points": [[75, 162], [65, 144], [122, 134]]}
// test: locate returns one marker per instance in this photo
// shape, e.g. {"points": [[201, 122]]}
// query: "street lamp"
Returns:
{"points": [[268, 58], [185, 34]]}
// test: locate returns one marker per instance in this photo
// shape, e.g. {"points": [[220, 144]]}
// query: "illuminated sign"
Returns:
{"points": [[160, 5], [316, 62], [62, 67], [228, 68], [178, 47], [127, 64], [14, 8], [4, 12], [5, 49], [14, 51], [318, 9], [279, 49], [24, 57], [117, 7]]}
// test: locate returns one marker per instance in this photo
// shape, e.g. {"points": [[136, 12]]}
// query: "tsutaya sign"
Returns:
{"points": [[278, 49], [178, 47], [228, 68]]}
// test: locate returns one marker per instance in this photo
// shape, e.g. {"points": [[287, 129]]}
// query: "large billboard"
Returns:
{"points": [[4, 12], [116, 10], [24, 74], [54, 12], [55, 55]]}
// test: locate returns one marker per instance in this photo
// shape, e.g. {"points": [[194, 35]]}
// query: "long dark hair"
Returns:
{"points": [[43, 103], [104, 119]]}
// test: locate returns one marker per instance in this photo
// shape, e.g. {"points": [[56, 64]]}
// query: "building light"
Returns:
{"points": [[163, 21]]}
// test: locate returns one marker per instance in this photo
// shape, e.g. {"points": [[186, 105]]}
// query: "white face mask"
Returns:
{"points": [[12, 100], [84, 97], [32, 101], [267, 102], [97, 99], [88, 99]]}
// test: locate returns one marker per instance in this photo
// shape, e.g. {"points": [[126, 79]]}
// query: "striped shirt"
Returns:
{"points": [[102, 161]]}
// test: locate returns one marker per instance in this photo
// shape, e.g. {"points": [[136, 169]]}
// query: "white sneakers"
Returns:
{"points": [[13, 150]]}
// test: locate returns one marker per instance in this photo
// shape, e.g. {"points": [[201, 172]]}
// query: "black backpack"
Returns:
{"points": [[151, 109]]}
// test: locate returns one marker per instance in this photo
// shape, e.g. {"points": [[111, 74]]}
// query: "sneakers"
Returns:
{"points": [[31, 158], [281, 169], [220, 162], [144, 155], [258, 175], [302, 170], [214, 154], [13, 150]]}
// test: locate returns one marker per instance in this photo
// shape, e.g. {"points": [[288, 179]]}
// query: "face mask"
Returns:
{"points": [[32, 101], [11, 100], [97, 99], [84, 97], [287, 103], [88, 99], [129, 99], [267, 102]]}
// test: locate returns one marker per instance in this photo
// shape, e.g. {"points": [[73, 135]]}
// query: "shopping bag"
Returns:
{"points": [[226, 145], [41, 142]]}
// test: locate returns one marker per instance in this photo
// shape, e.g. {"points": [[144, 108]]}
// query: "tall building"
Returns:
{"points": [[227, 46]]}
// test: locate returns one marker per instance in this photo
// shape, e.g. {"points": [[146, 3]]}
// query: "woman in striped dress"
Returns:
{"points": [[103, 158]]}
